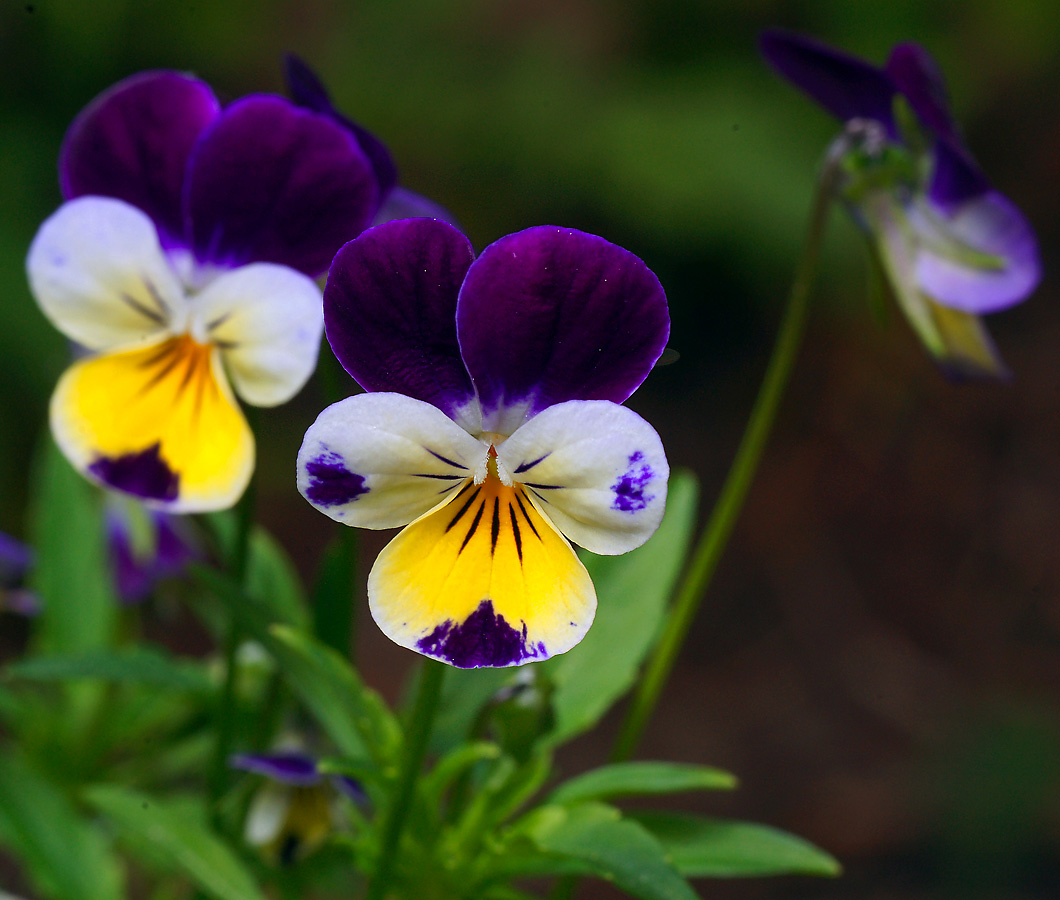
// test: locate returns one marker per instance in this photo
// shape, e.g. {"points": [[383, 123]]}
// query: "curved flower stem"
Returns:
{"points": [[730, 502], [419, 730], [238, 565]]}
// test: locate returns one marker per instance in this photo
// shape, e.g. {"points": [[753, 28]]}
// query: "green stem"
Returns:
{"points": [[333, 598], [730, 502], [417, 734], [238, 565]]}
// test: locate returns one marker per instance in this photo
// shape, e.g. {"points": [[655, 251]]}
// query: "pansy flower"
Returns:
{"points": [[491, 430], [16, 560], [951, 246], [294, 814], [145, 546], [183, 261]]}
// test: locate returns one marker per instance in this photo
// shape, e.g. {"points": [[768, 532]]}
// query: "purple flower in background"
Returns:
{"points": [[15, 562], [294, 815], [394, 201], [184, 260], [145, 546], [491, 429], [951, 246]]}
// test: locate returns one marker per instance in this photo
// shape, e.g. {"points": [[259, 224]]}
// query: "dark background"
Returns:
{"points": [[879, 656]]}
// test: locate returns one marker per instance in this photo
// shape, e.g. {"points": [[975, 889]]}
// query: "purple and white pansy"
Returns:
{"points": [[492, 430], [952, 247], [184, 260]]}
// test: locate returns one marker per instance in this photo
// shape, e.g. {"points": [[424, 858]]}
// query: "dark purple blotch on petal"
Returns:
{"points": [[290, 768], [552, 314], [143, 474], [630, 488], [846, 86], [133, 143], [307, 90], [332, 484], [482, 639], [390, 308], [269, 182]]}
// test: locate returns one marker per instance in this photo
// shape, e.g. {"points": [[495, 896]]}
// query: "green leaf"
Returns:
{"points": [[64, 856], [720, 848], [464, 695], [178, 838], [602, 843], [70, 572], [353, 714], [633, 591], [137, 665], [273, 580], [630, 779]]}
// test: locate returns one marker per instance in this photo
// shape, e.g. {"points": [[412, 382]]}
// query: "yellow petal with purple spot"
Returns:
{"points": [[484, 580], [157, 421]]}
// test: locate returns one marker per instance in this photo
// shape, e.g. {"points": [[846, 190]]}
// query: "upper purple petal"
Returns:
{"points": [[133, 143], [918, 78], [989, 224], [551, 314], [848, 87], [402, 203], [307, 90], [269, 182], [955, 176], [390, 310], [298, 769]]}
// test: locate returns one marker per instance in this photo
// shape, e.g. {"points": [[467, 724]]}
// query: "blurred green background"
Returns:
{"points": [[879, 658]]}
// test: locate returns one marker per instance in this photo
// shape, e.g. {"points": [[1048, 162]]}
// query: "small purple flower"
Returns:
{"points": [[16, 560], [145, 546], [184, 260], [492, 429], [293, 816], [952, 247]]}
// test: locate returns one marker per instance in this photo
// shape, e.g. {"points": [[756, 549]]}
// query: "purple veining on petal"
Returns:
{"points": [[133, 143], [307, 90], [390, 307], [848, 87], [482, 639], [143, 474], [269, 182], [630, 488], [291, 768], [552, 314], [332, 483]]}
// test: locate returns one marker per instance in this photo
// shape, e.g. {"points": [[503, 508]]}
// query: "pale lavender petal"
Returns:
{"points": [[848, 87], [390, 308], [551, 314], [989, 224], [269, 182], [307, 90], [298, 769], [402, 203], [133, 143]]}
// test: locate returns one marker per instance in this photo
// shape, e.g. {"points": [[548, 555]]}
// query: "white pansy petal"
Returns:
{"points": [[100, 275], [267, 320], [381, 460], [595, 468]]}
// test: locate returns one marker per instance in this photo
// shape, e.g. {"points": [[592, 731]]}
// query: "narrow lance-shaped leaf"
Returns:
{"points": [[630, 779]]}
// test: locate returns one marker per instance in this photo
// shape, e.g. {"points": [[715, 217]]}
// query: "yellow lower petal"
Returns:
{"points": [[159, 422], [485, 580]]}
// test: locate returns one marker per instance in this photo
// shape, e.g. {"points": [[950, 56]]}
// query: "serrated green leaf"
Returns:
{"points": [[721, 848], [178, 838], [629, 779], [633, 590], [63, 854], [136, 665], [608, 846], [353, 714]]}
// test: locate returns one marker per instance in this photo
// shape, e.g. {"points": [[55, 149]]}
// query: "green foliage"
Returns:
{"points": [[137, 665], [717, 848], [64, 855], [630, 779], [174, 836]]}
